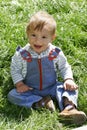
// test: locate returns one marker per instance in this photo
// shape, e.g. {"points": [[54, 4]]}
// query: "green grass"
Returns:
{"points": [[71, 17]]}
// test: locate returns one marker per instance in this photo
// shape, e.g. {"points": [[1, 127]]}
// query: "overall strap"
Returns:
{"points": [[25, 54], [53, 53]]}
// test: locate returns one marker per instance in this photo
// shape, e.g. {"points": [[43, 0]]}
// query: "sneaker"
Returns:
{"points": [[73, 116], [45, 102]]}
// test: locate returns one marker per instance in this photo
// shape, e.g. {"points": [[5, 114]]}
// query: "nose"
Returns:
{"points": [[38, 41]]}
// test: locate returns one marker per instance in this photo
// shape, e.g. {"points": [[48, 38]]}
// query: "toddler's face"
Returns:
{"points": [[39, 40]]}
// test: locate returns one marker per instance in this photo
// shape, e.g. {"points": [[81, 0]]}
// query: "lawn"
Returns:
{"points": [[71, 17]]}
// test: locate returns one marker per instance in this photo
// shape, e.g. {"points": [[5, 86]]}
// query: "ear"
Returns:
{"points": [[53, 37]]}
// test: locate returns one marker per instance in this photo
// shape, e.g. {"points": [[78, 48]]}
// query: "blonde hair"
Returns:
{"points": [[39, 20]]}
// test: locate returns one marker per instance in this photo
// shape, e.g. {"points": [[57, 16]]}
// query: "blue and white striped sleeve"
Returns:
{"points": [[64, 67], [16, 68]]}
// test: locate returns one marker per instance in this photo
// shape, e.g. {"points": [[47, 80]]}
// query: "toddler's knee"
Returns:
{"points": [[12, 94]]}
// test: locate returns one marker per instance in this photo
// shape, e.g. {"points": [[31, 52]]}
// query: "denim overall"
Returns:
{"points": [[41, 76]]}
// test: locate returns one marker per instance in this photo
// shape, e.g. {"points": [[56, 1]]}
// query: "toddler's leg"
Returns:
{"points": [[68, 104], [62, 94], [70, 97], [25, 99]]}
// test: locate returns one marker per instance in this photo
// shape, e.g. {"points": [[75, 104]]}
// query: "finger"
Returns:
{"points": [[67, 86], [76, 87], [30, 88], [73, 88], [64, 86], [19, 91]]}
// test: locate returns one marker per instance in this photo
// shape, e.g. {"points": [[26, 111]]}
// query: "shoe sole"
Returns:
{"points": [[77, 119]]}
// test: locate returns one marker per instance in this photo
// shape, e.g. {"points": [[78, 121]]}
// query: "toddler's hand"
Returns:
{"points": [[21, 87], [70, 85]]}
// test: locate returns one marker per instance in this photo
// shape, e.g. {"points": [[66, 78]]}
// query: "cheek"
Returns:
{"points": [[47, 42], [31, 40]]}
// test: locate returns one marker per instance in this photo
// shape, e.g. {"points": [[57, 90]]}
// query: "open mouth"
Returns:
{"points": [[37, 46]]}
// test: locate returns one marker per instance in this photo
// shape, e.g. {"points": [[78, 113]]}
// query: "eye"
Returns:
{"points": [[44, 37], [33, 35]]}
